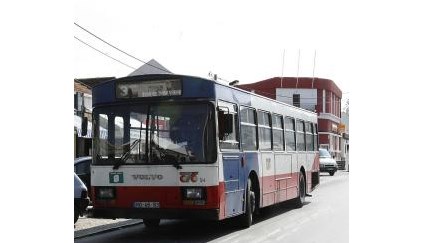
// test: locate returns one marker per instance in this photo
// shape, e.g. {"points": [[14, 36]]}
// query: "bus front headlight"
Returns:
{"points": [[193, 193], [105, 193]]}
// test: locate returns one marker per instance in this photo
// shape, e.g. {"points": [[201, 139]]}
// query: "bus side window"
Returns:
{"points": [[278, 134], [225, 124], [264, 130], [316, 142], [301, 143], [309, 136], [227, 118], [290, 134], [248, 128]]}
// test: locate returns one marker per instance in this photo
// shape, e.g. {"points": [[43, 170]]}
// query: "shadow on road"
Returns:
{"points": [[188, 230]]}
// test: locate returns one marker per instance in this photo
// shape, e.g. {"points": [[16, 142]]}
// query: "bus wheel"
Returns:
{"points": [[331, 173], [151, 223], [250, 206], [299, 201]]}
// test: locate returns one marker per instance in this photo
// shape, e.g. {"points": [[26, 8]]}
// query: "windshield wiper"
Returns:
{"points": [[165, 155], [177, 165], [125, 155]]}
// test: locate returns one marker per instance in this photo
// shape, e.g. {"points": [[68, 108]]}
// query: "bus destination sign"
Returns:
{"points": [[152, 88]]}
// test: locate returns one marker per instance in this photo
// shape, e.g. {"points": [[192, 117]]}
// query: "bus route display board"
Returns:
{"points": [[151, 88]]}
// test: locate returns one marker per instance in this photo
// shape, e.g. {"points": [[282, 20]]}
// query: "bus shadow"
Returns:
{"points": [[200, 231], [275, 210]]}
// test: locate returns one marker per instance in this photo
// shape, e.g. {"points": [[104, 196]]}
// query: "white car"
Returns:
{"points": [[327, 163], [80, 194]]}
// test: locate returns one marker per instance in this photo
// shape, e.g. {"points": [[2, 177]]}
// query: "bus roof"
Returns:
{"points": [[105, 92]]}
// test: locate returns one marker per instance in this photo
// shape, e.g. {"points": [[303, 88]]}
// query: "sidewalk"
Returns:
{"points": [[88, 226]]}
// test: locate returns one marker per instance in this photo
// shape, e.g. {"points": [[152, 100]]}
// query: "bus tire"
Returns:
{"points": [[250, 206], [299, 201], [331, 173], [151, 223]]}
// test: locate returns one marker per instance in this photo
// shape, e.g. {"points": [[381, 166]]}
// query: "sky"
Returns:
{"points": [[237, 40]]}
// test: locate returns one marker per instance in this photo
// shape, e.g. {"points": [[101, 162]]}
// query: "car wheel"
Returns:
{"points": [[331, 173], [75, 214], [299, 201], [151, 223], [250, 206]]}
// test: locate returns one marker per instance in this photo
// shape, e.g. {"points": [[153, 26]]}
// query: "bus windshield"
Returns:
{"points": [[155, 134]]}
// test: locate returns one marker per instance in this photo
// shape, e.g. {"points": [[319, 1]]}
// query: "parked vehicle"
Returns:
{"points": [[81, 199], [82, 168], [327, 163]]}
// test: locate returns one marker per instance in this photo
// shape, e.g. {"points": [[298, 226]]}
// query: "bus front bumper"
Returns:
{"points": [[136, 213]]}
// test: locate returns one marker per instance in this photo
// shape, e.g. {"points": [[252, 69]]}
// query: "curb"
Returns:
{"points": [[105, 228]]}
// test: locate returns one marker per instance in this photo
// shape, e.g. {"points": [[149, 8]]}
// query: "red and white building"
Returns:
{"points": [[320, 95]]}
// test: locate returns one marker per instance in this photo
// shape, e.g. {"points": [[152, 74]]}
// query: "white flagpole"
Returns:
{"points": [[314, 65], [283, 65], [298, 68]]}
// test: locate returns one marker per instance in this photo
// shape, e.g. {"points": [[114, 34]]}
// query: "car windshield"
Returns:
{"points": [[323, 153], [161, 134]]}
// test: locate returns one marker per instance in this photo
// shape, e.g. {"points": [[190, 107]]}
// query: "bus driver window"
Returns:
{"points": [[228, 119]]}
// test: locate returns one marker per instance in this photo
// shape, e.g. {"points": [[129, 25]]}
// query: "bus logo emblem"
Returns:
{"points": [[116, 177]]}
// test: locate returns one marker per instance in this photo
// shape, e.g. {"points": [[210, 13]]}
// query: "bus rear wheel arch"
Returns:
{"points": [[251, 201], [302, 189]]}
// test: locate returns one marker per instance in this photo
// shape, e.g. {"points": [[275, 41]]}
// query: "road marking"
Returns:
{"points": [[266, 237], [274, 232], [281, 237], [229, 237], [304, 220]]}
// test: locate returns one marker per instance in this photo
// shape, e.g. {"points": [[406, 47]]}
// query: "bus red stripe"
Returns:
{"points": [[169, 197]]}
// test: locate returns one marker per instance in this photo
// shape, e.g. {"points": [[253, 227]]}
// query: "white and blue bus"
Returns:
{"points": [[174, 146]]}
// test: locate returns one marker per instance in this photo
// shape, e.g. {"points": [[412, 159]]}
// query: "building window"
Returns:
{"points": [[315, 136], [324, 101], [296, 100]]}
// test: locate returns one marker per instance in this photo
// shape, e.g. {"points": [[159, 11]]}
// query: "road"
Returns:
{"points": [[323, 219]]}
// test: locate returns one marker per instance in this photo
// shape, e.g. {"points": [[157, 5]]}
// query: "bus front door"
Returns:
{"points": [[234, 188]]}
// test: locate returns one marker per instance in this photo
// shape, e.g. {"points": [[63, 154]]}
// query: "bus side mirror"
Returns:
{"points": [[84, 126]]}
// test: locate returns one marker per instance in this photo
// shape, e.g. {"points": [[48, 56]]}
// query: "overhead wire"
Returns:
{"points": [[89, 32], [146, 63], [104, 53]]}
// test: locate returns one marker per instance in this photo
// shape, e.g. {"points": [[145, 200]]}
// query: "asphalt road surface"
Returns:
{"points": [[323, 219]]}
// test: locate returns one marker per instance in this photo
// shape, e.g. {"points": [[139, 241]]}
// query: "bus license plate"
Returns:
{"points": [[146, 205]]}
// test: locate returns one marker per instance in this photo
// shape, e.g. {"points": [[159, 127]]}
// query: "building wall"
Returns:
{"points": [[308, 97], [325, 100]]}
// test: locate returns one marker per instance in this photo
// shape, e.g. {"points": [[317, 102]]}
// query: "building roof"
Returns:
{"points": [[91, 82], [151, 67], [268, 87], [78, 87]]}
